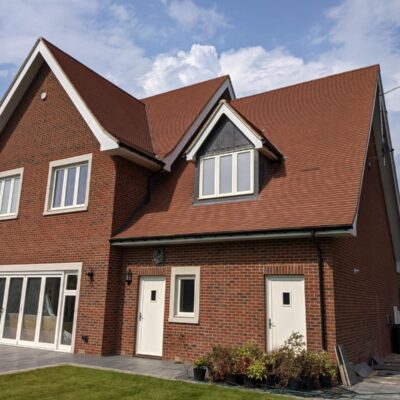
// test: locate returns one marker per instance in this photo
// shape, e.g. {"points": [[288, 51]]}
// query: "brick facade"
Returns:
{"points": [[232, 293], [232, 287], [363, 300]]}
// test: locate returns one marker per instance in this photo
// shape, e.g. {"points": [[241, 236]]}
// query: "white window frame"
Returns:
{"points": [[3, 176], [65, 163], [234, 191], [178, 274]]}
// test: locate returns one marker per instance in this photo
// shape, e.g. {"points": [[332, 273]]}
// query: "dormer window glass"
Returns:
{"points": [[227, 174]]}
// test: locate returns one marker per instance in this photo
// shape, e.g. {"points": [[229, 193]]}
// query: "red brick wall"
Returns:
{"points": [[40, 132], [232, 293], [363, 300]]}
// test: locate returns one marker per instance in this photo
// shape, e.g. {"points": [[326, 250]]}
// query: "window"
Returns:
{"points": [[68, 186], [185, 295], [286, 299], [185, 291], [229, 174], [10, 190]]}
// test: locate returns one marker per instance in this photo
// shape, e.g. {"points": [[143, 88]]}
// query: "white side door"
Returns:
{"points": [[150, 320], [286, 310]]}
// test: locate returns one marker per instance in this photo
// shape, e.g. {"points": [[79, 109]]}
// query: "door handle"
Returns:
{"points": [[140, 316], [269, 323]]}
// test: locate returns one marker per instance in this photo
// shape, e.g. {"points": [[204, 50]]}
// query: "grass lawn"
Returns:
{"points": [[67, 382]]}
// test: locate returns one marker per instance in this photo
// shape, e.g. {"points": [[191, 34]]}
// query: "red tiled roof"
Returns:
{"points": [[120, 114], [172, 113], [153, 125], [322, 129]]}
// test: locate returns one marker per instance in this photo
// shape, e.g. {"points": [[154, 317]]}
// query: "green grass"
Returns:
{"points": [[67, 382]]}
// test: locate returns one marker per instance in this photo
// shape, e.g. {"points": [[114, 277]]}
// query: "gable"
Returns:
{"points": [[225, 136], [224, 110]]}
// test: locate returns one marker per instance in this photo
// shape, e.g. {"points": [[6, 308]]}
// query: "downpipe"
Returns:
{"points": [[321, 289]]}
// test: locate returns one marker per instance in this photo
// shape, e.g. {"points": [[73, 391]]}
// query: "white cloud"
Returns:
{"points": [[79, 28], [205, 22], [360, 35]]}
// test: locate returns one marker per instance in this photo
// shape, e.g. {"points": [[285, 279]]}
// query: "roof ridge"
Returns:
{"points": [[307, 82], [46, 42], [185, 87]]}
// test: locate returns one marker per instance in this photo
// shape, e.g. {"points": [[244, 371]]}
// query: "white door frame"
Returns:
{"points": [[140, 309], [43, 271], [268, 299]]}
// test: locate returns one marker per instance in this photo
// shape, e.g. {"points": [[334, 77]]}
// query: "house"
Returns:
{"points": [[164, 225]]}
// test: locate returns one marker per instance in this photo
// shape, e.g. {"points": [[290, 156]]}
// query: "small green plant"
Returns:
{"points": [[257, 371], [244, 356], [201, 362]]}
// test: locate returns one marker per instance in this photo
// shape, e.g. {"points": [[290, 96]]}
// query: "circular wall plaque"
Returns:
{"points": [[158, 256]]}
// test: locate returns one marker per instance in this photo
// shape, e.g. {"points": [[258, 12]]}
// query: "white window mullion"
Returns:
{"points": [[77, 175], [2, 185], [234, 173], [216, 183], [64, 188], [8, 210]]}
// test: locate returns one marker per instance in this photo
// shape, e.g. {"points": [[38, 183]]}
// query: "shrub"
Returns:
{"points": [[257, 370], [220, 362], [244, 356]]}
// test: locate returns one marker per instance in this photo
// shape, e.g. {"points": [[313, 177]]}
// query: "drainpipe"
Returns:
{"points": [[321, 289]]}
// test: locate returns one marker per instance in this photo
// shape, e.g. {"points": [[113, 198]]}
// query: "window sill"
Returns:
{"points": [[8, 217], [65, 211], [184, 320]]}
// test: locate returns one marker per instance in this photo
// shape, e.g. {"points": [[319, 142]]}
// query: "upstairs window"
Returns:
{"points": [[10, 190], [227, 174], [68, 187]]}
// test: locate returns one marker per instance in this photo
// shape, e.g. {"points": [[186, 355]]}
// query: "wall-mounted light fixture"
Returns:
{"points": [[356, 271], [90, 274], [128, 277]]}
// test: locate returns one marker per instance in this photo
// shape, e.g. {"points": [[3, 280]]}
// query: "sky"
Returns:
{"points": [[150, 46]]}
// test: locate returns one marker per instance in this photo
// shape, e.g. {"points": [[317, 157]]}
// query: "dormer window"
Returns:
{"points": [[227, 174], [232, 157]]}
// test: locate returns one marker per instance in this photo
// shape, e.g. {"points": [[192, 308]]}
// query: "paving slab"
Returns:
{"points": [[17, 359]]}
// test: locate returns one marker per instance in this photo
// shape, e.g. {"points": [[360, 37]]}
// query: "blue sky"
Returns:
{"points": [[149, 46]]}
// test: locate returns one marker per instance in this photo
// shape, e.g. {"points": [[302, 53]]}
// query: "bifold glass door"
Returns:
{"points": [[38, 311]]}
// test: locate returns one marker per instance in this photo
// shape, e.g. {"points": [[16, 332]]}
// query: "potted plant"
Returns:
{"points": [[271, 364], [241, 358], [255, 374], [289, 366], [200, 368], [220, 363], [328, 370]]}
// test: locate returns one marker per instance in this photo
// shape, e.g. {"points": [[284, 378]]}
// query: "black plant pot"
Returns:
{"points": [[199, 374], [270, 381], [234, 379], [294, 384], [308, 382], [325, 381], [248, 382]]}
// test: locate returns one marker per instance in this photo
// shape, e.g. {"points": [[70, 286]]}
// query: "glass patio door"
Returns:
{"points": [[30, 307]]}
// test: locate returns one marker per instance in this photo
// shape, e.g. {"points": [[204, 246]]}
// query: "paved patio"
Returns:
{"points": [[18, 359]]}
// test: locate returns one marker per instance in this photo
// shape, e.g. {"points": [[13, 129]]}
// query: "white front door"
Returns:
{"points": [[286, 310], [150, 325]]}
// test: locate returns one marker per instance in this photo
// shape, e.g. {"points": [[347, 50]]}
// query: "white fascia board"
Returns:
{"points": [[224, 109], [24, 77], [171, 157], [106, 140], [135, 157]]}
